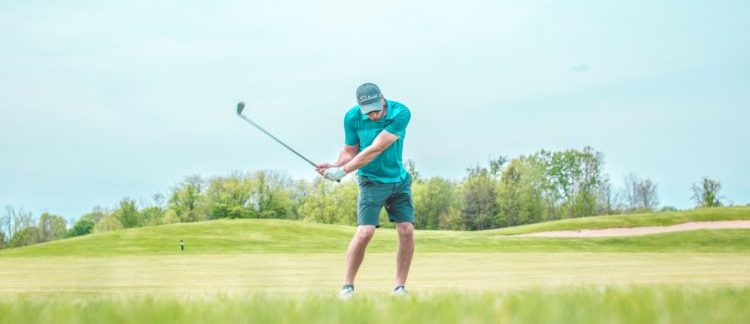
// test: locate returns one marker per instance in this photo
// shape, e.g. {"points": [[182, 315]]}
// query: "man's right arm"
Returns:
{"points": [[347, 154]]}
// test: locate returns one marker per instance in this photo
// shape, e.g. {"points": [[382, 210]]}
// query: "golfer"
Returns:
{"points": [[374, 143]]}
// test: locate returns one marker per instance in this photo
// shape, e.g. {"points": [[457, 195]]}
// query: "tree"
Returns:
{"points": [[496, 165], [573, 179], [14, 225], [2, 240], [127, 213], [108, 223], [51, 227], [411, 168], [229, 197], [151, 216], [5, 224], [186, 200], [706, 193], [432, 199], [609, 200], [451, 220], [159, 201], [330, 203], [520, 197], [95, 215], [479, 202], [82, 227], [640, 194], [170, 217], [271, 197], [17, 220], [25, 236]]}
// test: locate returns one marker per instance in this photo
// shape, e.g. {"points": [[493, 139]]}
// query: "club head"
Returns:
{"points": [[240, 107]]}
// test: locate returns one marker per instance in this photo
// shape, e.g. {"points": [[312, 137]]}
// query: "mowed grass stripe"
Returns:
{"points": [[239, 275]]}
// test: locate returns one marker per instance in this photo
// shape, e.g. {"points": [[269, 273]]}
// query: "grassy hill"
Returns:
{"points": [[633, 220], [283, 236]]}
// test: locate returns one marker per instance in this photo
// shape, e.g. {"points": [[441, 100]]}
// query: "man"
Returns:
{"points": [[375, 131]]}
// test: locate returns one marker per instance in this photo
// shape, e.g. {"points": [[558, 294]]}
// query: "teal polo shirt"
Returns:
{"points": [[388, 167]]}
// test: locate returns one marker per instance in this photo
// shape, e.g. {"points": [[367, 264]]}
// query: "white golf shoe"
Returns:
{"points": [[347, 292], [399, 291]]}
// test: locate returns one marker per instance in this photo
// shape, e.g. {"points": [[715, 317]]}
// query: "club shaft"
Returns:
{"points": [[276, 139]]}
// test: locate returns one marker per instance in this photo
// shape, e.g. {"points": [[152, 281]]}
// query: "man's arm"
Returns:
{"points": [[380, 144], [346, 155], [345, 164]]}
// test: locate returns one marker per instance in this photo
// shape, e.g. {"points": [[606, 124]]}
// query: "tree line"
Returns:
{"points": [[546, 185]]}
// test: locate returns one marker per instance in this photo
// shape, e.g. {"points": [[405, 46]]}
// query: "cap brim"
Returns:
{"points": [[375, 106]]}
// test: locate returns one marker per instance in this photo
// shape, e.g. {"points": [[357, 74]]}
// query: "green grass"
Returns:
{"points": [[238, 275], [283, 236], [288, 271], [577, 305], [634, 220]]}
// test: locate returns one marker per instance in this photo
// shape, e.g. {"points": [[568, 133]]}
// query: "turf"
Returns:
{"points": [[237, 275], [283, 236], [288, 272], [580, 305]]}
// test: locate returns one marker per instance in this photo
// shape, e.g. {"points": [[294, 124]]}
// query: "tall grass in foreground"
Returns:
{"points": [[564, 305]]}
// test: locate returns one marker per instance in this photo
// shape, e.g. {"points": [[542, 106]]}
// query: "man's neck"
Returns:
{"points": [[384, 111]]}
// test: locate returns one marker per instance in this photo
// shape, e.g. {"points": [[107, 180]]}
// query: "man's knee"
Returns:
{"points": [[405, 230], [364, 233]]}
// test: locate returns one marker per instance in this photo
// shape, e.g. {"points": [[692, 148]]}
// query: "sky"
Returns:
{"points": [[100, 100]]}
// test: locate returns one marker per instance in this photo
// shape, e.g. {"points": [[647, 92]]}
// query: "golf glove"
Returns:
{"points": [[334, 174]]}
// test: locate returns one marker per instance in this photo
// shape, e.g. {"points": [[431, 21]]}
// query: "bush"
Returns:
{"points": [[82, 227], [666, 209]]}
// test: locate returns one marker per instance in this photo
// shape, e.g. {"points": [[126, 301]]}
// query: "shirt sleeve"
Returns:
{"points": [[350, 132], [398, 127]]}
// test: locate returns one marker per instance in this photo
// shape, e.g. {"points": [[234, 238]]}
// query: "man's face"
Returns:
{"points": [[376, 115]]}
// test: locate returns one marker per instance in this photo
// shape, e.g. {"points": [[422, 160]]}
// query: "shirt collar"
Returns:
{"points": [[388, 113]]}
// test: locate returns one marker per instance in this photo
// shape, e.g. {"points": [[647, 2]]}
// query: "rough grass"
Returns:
{"points": [[576, 305], [283, 236]]}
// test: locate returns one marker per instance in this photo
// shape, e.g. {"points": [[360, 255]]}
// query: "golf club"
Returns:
{"points": [[241, 107]]}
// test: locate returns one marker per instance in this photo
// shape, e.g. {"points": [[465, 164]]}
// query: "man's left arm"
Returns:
{"points": [[380, 144], [384, 140]]}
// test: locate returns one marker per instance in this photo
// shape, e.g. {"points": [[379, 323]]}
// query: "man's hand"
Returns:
{"points": [[321, 168], [334, 174]]}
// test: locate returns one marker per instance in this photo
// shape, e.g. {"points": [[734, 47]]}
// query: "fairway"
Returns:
{"points": [[241, 275]]}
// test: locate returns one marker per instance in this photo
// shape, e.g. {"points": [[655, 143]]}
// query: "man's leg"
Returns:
{"points": [[356, 252], [405, 251]]}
